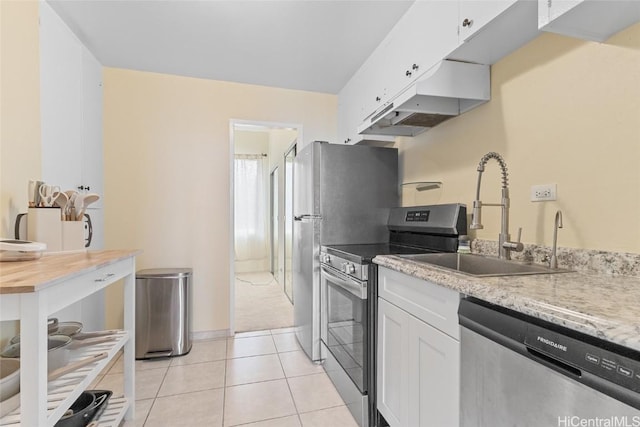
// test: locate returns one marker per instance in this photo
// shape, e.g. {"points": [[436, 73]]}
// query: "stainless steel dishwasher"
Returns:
{"points": [[517, 370]]}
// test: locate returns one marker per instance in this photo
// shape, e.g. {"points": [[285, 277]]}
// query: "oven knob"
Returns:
{"points": [[349, 268]]}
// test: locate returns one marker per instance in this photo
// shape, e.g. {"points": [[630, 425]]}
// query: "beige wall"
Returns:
{"points": [[562, 111], [167, 169], [19, 115], [19, 107]]}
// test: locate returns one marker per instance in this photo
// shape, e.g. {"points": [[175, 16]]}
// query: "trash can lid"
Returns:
{"points": [[164, 273]]}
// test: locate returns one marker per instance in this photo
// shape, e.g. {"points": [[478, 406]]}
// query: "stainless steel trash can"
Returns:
{"points": [[163, 312]]}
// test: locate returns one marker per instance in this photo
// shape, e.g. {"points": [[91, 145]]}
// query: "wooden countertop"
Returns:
{"points": [[30, 276]]}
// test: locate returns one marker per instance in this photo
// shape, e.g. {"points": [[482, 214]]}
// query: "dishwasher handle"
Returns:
{"points": [[547, 359]]}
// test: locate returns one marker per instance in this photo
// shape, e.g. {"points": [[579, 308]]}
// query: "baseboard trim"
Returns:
{"points": [[209, 335]]}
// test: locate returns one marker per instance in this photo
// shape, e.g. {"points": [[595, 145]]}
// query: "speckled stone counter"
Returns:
{"points": [[607, 307]]}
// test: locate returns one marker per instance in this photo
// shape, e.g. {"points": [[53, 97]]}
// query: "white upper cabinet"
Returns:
{"points": [[350, 108], [92, 96], [60, 101], [421, 38], [492, 29], [595, 20], [475, 14], [425, 35], [70, 108]]}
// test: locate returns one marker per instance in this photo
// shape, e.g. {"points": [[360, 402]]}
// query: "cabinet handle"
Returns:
{"points": [[82, 187], [467, 22], [377, 98], [408, 73], [346, 141], [106, 276]]}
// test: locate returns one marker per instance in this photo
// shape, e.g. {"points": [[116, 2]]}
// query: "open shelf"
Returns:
{"points": [[63, 391], [422, 185]]}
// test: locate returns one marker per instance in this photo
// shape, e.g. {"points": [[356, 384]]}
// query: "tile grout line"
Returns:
{"points": [[289, 388], [224, 388]]}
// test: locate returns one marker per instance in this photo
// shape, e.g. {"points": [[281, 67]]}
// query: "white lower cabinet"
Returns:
{"points": [[393, 363], [418, 371], [434, 376]]}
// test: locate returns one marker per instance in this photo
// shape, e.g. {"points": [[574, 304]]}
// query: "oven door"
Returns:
{"points": [[344, 322]]}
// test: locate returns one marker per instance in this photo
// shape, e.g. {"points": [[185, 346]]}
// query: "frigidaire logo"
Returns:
{"points": [[552, 344]]}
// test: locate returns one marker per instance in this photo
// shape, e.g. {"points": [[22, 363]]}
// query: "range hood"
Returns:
{"points": [[446, 90]]}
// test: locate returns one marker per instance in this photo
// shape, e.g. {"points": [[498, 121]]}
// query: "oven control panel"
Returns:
{"points": [[417, 216], [345, 266]]}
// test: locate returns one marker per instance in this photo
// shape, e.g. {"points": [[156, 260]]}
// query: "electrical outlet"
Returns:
{"points": [[543, 193]]}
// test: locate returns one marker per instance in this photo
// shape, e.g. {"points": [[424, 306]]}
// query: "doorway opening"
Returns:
{"points": [[261, 184]]}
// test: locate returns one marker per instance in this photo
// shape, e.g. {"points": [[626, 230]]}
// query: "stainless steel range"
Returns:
{"points": [[349, 297]]}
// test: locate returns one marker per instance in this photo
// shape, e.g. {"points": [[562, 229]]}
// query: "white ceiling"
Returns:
{"points": [[297, 44]]}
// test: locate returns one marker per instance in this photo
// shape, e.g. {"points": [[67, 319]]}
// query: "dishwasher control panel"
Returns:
{"points": [[582, 356]]}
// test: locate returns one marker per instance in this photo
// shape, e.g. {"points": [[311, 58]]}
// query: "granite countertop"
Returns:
{"points": [[603, 306]]}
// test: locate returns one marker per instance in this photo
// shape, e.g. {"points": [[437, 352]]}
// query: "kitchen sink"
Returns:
{"points": [[481, 266]]}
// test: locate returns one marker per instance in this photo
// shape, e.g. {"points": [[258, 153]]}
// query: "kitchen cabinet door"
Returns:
{"points": [[350, 114], [434, 376], [424, 36], [589, 20], [421, 38], [70, 108], [476, 14], [393, 364], [60, 101], [92, 158]]}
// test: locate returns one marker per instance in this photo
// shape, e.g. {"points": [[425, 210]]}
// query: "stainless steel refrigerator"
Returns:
{"points": [[342, 194]]}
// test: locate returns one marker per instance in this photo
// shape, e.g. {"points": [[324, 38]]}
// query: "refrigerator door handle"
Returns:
{"points": [[306, 217]]}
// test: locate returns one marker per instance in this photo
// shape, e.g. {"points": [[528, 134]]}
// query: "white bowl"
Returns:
{"points": [[9, 377]]}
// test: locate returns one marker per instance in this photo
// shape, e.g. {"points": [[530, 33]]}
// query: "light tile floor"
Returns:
{"points": [[260, 379]]}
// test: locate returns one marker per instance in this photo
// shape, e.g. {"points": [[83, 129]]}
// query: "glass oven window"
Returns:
{"points": [[346, 331]]}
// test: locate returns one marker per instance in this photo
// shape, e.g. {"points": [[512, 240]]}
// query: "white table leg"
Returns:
{"points": [[33, 359], [129, 348]]}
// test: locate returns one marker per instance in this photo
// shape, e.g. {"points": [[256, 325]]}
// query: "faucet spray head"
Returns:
{"points": [[476, 216]]}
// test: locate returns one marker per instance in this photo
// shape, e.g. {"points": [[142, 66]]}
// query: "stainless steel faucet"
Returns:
{"points": [[553, 262], [505, 246]]}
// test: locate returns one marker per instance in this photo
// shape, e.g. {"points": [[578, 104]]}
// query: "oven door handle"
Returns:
{"points": [[356, 288]]}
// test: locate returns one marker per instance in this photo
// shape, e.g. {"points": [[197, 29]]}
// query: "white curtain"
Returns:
{"points": [[251, 217]]}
